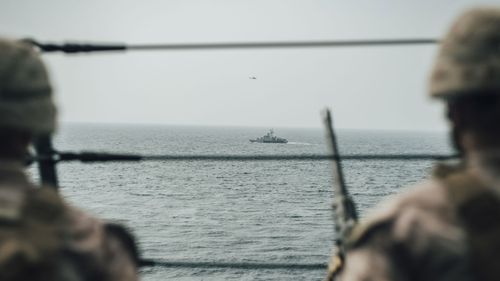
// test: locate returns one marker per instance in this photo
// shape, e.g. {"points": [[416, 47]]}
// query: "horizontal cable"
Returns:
{"points": [[88, 157], [290, 44], [85, 48], [233, 265]]}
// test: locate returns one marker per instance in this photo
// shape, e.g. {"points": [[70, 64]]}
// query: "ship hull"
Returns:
{"points": [[263, 141]]}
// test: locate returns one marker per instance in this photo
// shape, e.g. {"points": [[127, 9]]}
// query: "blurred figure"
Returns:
{"points": [[41, 236], [447, 228]]}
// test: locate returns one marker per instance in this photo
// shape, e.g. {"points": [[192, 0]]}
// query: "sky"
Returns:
{"points": [[366, 87]]}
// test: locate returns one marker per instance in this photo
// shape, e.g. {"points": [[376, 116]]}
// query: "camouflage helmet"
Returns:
{"points": [[25, 92], [468, 61]]}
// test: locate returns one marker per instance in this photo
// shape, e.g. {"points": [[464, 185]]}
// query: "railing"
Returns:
{"points": [[88, 157], [47, 157]]}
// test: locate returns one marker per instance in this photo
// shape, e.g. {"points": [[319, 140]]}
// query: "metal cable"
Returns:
{"points": [[289, 44], [86, 48], [233, 265], [89, 157]]}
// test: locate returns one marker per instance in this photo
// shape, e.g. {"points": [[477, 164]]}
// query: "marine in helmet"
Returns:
{"points": [[447, 228], [41, 236]]}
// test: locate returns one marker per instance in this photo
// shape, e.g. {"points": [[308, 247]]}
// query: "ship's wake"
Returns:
{"points": [[299, 143]]}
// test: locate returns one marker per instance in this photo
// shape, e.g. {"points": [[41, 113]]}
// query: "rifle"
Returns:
{"points": [[345, 215]]}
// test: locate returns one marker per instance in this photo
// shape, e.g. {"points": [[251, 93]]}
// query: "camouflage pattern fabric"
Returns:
{"points": [[468, 61], [43, 238], [422, 234], [25, 92], [478, 208]]}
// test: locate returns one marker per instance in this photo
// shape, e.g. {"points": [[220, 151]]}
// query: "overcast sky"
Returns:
{"points": [[367, 87]]}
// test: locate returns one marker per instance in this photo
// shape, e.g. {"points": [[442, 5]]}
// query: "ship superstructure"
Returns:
{"points": [[270, 138]]}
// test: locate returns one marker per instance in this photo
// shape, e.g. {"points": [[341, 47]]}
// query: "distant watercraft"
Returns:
{"points": [[270, 138]]}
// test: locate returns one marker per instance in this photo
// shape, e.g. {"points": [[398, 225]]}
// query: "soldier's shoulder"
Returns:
{"points": [[393, 216]]}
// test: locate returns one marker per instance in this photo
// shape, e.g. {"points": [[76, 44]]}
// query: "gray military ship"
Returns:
{"points": [[270, 138]]}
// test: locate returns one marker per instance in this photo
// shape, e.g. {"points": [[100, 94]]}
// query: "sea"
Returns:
{"points": [[233, 211]]}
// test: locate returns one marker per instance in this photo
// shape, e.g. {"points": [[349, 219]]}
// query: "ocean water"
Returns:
{"points": [[237, 211]]}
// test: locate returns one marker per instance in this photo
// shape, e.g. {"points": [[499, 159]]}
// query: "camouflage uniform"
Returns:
{"points": [[422, 234], [35, 223], [416, 236]]}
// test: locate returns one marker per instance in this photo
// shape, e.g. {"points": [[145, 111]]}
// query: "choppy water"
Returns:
{"points": [[208, 211]]}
